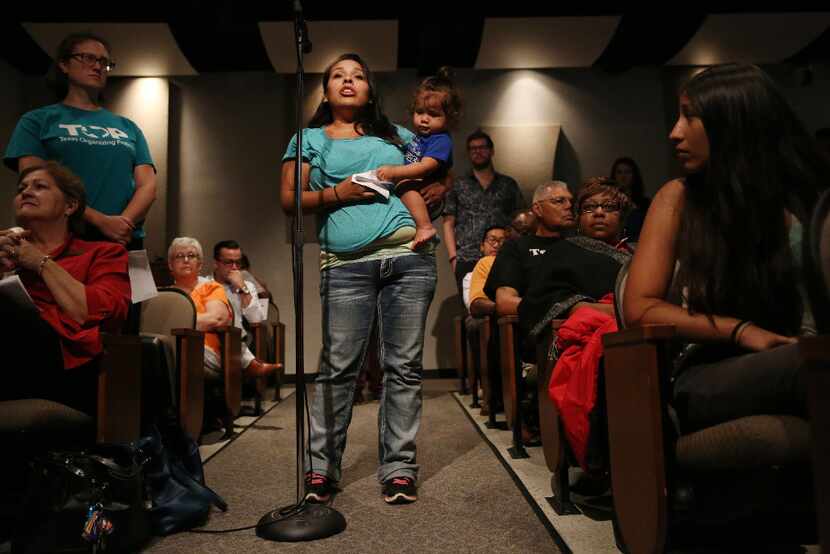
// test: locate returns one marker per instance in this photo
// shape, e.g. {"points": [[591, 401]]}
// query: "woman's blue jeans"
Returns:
{"points": [[397, 291]]}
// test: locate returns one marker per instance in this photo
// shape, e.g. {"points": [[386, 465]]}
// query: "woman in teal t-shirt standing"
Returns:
{"points": [[369, 272], [107, 151]]}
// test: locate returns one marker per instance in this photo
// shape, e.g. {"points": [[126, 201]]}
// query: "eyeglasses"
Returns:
{"points": [[186, 257], [557, 200], [607, 207], [91, 59], [494, 241], [230, 263]]}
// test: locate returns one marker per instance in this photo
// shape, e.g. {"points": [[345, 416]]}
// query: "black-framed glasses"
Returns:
{"points": [[607, 207], [181, 256], [91, 59], [230, 263], [495, 241]]}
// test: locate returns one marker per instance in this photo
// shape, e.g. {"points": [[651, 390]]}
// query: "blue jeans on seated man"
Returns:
{"points": [[398, 292]]}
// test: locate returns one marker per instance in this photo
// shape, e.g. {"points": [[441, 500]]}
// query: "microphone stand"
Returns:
{"points": [[302, 521]]}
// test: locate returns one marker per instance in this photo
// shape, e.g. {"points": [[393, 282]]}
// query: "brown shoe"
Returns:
{"points": [[258, 369]]}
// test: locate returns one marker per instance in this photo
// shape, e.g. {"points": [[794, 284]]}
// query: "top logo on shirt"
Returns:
{"points": [[95, 134]]}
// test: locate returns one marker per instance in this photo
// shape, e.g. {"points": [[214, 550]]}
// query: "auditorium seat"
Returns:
{"points": [[668, 488], [276, 346], [118, 407], [511, 381], [816, 351], [554, 443], [170, 317], [460, 352]]}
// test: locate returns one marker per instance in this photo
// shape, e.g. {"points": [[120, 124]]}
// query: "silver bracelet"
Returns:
{"points": [[42, 263]]}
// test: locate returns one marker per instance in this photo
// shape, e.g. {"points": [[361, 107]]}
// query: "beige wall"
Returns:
{"points": [[146, 102]]}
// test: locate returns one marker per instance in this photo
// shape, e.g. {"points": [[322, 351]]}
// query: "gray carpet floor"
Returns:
{"points": [[467, 500]]}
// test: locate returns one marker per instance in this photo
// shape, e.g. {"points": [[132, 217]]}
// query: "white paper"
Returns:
{"points": [[141, 278], [370, 180], [13, 291]]}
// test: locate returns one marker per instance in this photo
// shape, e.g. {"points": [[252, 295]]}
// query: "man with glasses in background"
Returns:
{"points": [[474, 298], [481, 199], [242, 294]]}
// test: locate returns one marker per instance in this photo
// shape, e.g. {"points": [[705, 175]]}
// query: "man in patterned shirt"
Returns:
{"points": [[481, 199]]}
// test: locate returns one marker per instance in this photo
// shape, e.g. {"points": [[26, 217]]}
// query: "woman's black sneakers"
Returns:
{"points": [[400, 490]]}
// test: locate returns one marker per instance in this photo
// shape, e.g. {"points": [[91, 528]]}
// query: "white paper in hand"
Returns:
{"points": [[141, 277], [370, 180], [14, 295]]}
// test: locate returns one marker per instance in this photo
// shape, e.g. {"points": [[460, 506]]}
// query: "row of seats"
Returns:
{"points": [[651, 468], [665, 485], [167, 347], [170, 317]]}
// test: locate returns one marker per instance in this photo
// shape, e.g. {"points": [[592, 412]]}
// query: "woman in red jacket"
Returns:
{"points": [[77, 288]]}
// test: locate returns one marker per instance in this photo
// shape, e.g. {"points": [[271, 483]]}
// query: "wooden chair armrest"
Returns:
{"points": [[230, 338], [637, 367], [184, 332], [119, 389], [639, 334], [553, 440], [460, 342], [190, 364], [260, 334], [259, 331], [485, 332], [508, 319], [507, 352], [815, 352]]}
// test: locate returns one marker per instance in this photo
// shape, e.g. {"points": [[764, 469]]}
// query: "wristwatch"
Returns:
{"points": [[243, 290]]}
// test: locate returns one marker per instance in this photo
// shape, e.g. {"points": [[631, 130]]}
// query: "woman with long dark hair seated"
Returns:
{"points": [[732, 227], [77, 287]]}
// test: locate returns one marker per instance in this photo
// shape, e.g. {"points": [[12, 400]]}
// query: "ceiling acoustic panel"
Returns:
{"points": [[375, 41], [139, 49], [540, 42], [758, 38]]}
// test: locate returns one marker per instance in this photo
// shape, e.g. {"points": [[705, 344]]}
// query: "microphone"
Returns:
{"points": [[302, 29]]}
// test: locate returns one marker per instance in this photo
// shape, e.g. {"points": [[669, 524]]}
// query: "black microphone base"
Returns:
{"points": [[311, 522]]}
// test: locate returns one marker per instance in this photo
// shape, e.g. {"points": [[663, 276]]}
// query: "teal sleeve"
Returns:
{"points": [[291, 151], [142, 150], [25, 141]]}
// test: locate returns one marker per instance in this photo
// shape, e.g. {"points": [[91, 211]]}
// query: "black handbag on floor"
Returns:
{"points": [[84, 501]]}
